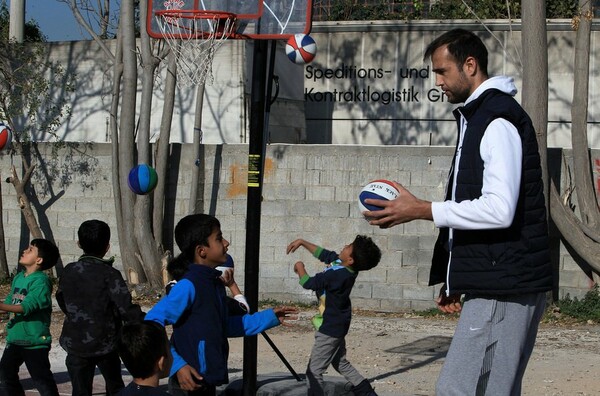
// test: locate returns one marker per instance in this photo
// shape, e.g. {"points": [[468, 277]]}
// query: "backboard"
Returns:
{"points": [[255, 19]]}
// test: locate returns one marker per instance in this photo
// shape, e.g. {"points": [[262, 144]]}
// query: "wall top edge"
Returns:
{"points": [[105, 148], [439, 25]]}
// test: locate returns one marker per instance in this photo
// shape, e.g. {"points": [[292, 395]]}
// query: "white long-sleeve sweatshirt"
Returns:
{"points": [[501, 152]]}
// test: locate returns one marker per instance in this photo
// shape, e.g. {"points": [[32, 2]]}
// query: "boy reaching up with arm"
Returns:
{"points": [[333, 287]]}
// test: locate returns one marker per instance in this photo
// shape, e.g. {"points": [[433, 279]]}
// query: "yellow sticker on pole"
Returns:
{"points": [[254, 165]]}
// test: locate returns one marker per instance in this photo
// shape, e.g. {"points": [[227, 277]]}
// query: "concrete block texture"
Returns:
{"points": [[309, 192]]}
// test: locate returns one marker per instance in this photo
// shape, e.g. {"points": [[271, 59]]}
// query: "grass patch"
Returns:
{"points": [[586, 309], [429, 313], [564, 311], [435, 313], [271, 302]]}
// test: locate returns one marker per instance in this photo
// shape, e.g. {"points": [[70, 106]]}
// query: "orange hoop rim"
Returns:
{"points": [[197, 14], [193, 15]]}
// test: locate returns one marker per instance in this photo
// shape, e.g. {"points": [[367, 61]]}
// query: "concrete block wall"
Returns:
{"points": [[81, 190], [309, 192]]}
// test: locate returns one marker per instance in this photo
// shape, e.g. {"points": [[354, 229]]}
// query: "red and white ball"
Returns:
{"points": [[5, 136], [377, 189], [301, 48]]}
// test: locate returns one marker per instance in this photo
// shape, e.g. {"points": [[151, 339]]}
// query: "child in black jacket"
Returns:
{"points": [[96, 302], [333, 287]]}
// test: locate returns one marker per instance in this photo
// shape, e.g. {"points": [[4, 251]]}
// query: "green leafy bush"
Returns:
{"points": [[587, 308], [364, 10]]}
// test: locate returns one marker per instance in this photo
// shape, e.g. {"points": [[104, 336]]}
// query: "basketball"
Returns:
{"points": [[377, 189], [142, 179], [227, 266], [5, 136], [301, 48]]}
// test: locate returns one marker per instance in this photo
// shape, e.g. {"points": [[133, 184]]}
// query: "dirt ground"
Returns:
{"points": [[401, 354]]}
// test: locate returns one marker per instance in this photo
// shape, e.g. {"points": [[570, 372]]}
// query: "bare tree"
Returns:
{"points": [[139, 217], [29, 105], [580, 230], [535, 75], [148, 247]]}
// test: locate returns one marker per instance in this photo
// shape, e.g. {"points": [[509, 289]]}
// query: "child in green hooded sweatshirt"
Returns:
{"points": [[28, 330]]}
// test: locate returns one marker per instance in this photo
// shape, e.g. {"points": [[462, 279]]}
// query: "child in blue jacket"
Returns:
{"points": [[196, 307]]}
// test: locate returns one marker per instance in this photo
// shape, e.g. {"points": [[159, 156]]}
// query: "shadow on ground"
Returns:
{"points": [[418, 353]]}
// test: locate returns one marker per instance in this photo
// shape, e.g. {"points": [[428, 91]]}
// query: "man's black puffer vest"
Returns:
{"points": [[514, 260]]}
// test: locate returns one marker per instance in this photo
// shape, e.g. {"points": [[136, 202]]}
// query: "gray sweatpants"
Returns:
{"points": [[329, 350], [491, 346]]}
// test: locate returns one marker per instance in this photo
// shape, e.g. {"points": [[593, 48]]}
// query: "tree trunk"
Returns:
{"points": [[115, 146], [4, 272], [23, 200], [196, 193], [162, 150], [570, 228], [148, 249], [534, 97], [581, 234], [586, 198], [139, 218], [127, 115]]}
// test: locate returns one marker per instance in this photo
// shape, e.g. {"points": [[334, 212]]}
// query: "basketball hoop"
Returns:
{"points": [[194, 36]]}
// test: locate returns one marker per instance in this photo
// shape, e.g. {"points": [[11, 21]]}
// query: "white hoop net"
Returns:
{"points": [[194, 38]]}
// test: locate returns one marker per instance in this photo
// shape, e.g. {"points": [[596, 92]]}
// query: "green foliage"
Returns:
{"points": [[31, 34], [561, 8], [271, 302], [494, 9], [6, 281], [362, 10], [353, 10], [33, 89], [472, 9], [565, 310], [435, 313], [34, 101], [588, 308]]}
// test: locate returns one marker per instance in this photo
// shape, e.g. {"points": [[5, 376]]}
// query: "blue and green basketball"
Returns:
{"points": [[142, 179]]}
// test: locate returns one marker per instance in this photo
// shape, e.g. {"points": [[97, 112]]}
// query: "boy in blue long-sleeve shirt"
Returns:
{"points": [[333, 287], [196, 307]]}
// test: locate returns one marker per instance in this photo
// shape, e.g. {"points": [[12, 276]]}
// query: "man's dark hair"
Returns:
{"points": [[94, 237], [365, 253], [47, 251], [141, 345], [461, 45]]}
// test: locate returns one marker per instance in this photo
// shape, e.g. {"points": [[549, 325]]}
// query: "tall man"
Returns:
{"points": [[493, 241]]}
